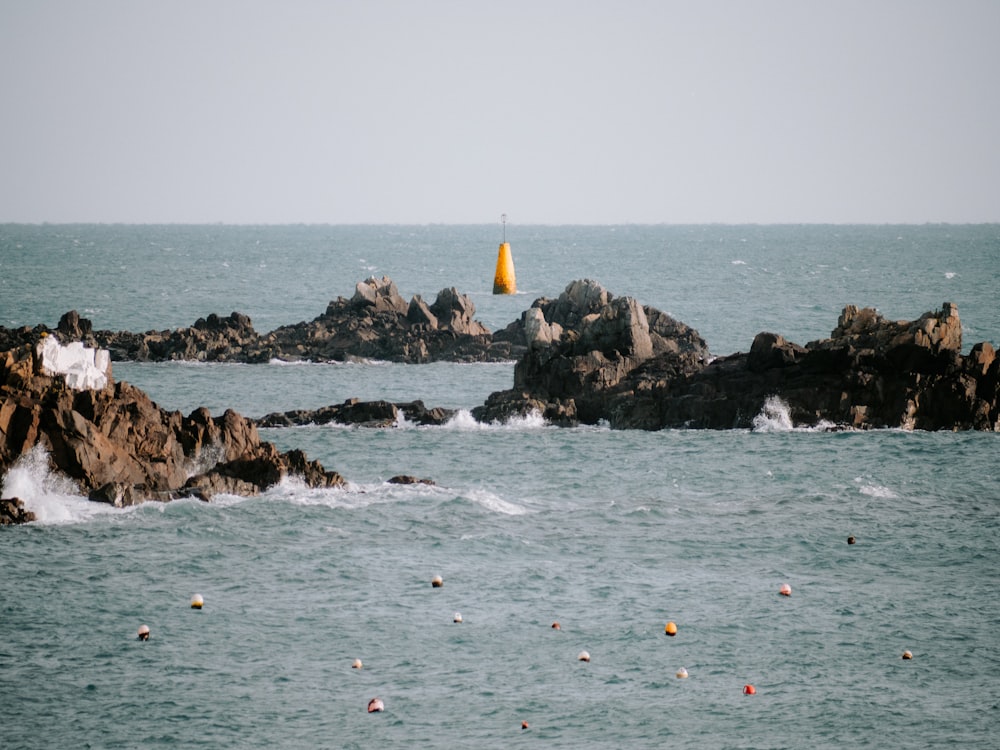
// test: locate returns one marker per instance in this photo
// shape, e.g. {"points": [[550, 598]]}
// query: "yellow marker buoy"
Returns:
{"points": [[503, 280], [670, 629], [197, 602]]}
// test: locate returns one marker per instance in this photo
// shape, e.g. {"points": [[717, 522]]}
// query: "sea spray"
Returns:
{"points": [[51, 496], [774, 416]]}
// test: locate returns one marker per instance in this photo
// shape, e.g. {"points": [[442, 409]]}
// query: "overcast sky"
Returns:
{"points": [[453, 112]]}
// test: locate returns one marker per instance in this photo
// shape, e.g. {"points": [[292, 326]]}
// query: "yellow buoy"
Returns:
{"points": [[504, 281], [670, 629], [197, 601]]}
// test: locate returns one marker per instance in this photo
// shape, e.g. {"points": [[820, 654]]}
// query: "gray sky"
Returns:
{"points": [[552, 111]]}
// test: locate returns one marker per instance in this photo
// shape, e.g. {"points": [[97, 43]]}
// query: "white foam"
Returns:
{"points": [[495, 504], [739, 262], [950, 274], [463, 420], [774, 416], [874, 490], [52, 497]]}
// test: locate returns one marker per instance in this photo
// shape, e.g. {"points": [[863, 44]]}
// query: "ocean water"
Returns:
{"points": [[612, 534]]}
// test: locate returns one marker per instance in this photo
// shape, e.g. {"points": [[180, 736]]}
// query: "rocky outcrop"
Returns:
{"points": [[121, 448], [588, 360], [375, 323], [12, 512], [360, 413], [583, 348]]}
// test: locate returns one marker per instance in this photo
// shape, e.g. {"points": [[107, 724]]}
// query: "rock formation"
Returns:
{"points": [[361, 413], [120, 447], [376, 323], [588, 359]]}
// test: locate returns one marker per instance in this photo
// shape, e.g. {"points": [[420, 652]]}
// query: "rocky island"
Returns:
{"points": [[591, 357], [582, 358]]}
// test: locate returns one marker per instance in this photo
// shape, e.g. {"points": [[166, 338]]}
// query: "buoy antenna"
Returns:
{"points": [[503, 220]]}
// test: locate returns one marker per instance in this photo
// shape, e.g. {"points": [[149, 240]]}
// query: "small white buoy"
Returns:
{"points": [[907, 655], [458, 617], [197, 602], [682, 673], [375, 705], [356, 664], [785, 590], [144, 632], [584, 656], [437, 582]]}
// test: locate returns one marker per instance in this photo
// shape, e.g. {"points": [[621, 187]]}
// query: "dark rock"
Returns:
{"points": [[73, 327], [13, 512], [121, 448], [360, 413], [376, 323], [118, 494], [588, 360], [407, 479]]}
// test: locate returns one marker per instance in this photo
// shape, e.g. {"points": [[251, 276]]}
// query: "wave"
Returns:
{"points": [[874, 490], [464, 421], [51, 496], [776, 416], [365, 495]]}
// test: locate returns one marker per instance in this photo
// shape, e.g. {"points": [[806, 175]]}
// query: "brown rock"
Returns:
{"points": [[13, 512]]}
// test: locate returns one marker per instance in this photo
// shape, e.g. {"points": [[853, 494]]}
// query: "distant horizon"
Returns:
{"points": [[511, 225]]}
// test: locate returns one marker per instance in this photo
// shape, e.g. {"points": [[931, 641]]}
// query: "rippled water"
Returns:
{"points": [[612, 534]]}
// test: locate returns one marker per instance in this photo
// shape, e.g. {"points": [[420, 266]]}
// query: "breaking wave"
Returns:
{"points": [[464, 421], [51, 496], [774, 416]]}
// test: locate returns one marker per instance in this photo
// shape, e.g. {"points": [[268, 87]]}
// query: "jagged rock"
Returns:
{"points": [[455, 312], [602, 340], [13, 512], [380, 294], [771, 350], [870, 372], [419, 314], [121, 448], [74, 327], [360, 413], [376, 323]]}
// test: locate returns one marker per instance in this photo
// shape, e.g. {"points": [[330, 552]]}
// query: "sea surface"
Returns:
{"points": [[612, 534]]}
